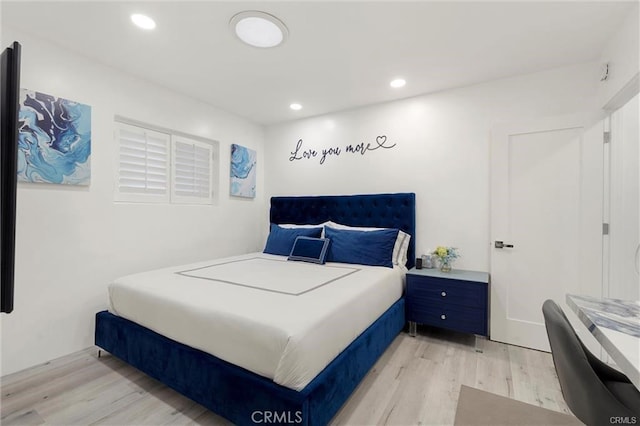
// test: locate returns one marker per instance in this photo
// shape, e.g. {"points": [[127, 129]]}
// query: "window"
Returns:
{"points": [[161, 167], [143, 165], [191, 164]]}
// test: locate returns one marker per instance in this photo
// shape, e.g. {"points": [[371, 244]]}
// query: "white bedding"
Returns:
{"points": [[283, 320]]}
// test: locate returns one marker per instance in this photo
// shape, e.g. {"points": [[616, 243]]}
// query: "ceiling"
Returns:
{"points": [[339, 55]]}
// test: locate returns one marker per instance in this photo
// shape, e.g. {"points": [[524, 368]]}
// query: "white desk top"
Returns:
{"points": [[616, 325]]}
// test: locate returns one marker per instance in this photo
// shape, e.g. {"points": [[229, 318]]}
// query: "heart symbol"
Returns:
{"points": [[380, 140]]}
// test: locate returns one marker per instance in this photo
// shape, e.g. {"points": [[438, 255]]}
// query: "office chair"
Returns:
{"points": [[596, 393]]}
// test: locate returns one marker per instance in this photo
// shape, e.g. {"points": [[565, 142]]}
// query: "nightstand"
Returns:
{"points": [[456, 300]]}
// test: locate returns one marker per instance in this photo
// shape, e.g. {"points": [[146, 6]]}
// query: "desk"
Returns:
{"points": [[616, 325]]}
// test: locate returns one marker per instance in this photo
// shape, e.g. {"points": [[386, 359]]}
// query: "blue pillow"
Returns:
{"points": [[309, 249], [373, 248], [280, 240]]}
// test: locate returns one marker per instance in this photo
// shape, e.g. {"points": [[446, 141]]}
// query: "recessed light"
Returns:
{"points": [[259, 29], [143, 21], [398, 82], [295, 107]]}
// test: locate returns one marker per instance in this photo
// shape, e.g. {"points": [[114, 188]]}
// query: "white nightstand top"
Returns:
{"points": [[455, 274]]}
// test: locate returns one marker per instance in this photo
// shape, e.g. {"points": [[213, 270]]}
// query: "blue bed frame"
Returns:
{"points": [[244, 397]]}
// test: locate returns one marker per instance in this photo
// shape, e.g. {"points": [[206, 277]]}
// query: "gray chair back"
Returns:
{"points": [[584, 391]]}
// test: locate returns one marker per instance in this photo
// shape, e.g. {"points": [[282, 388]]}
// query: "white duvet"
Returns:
{"points": [[280, 319]]}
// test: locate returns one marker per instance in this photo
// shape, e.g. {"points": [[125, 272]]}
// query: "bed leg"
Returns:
{"points": [[412, 328], [99, 353]]}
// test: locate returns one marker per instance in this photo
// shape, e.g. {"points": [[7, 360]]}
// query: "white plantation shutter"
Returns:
{"points": [[192, 164], [143, 164]]}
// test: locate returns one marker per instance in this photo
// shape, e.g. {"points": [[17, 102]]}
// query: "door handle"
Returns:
{"points": [[501, 244]]}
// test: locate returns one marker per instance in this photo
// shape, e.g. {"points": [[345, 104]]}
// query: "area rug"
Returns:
{"points": [[477, 407]]}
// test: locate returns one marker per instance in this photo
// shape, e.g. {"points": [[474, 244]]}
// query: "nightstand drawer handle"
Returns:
{"points": [[443, 294], [443, 317]]}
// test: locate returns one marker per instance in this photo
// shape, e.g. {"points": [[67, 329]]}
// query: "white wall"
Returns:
{"points": [[622, 53], [442, 151], [72, 241], [624, 218]]}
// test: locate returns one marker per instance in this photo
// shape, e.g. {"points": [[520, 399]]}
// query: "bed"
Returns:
{"points": [[263, 388]]}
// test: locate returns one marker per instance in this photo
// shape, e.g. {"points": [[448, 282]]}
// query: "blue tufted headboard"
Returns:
{"points": [[376, 210]]}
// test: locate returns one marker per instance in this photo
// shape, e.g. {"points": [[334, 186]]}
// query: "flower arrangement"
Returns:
{"points": [[446, 256]]}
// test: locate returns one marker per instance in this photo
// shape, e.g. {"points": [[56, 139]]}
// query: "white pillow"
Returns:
{"points": [[293, 226], [400, 249]]}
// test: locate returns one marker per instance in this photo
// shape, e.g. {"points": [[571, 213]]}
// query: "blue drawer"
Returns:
{"points": [[448, 291], [453, 317]]}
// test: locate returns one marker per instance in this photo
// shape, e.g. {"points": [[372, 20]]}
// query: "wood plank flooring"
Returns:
{"points": [[416, 382]]}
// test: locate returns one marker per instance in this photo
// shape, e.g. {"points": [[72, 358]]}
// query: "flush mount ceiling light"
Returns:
{"points": [[295, 107], [398, 82], [259, 29], [143, 21]]}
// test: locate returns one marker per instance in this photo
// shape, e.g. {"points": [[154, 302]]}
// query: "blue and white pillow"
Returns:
{"points": [[374, 248], [280, 240], [308, 249]]}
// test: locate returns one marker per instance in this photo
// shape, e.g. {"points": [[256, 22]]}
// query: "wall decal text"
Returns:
{"points": [[303, 153]]}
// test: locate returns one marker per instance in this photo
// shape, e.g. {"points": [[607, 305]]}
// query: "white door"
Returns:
{"points": [[546, 222]]}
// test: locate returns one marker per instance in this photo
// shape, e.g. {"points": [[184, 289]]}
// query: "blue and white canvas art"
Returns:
{"points": [[54, 144], [243, 171]]}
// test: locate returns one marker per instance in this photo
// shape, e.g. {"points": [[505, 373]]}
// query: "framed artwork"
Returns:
{"points": [[54, 142], [243, 172]]}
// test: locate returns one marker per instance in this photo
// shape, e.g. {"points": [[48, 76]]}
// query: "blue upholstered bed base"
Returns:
{"points": [[237, 394], [244, 397]]}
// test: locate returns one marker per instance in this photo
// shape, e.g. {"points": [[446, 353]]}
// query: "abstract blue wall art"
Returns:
{"points": [[54, 144], [243, 171]]}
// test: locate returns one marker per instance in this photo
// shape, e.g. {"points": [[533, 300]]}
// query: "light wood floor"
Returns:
{"points": [[416, 382]]}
